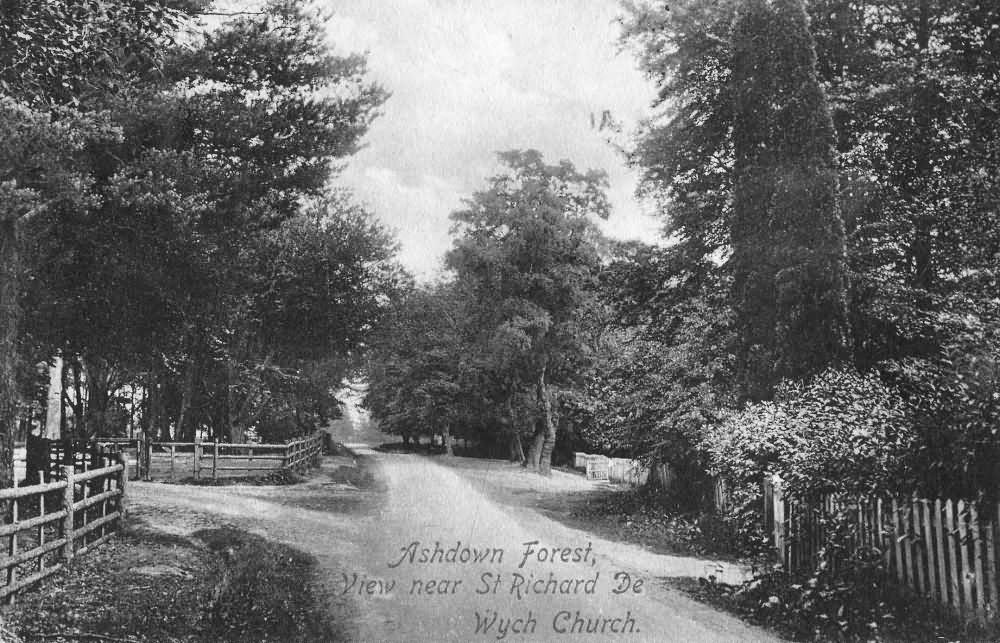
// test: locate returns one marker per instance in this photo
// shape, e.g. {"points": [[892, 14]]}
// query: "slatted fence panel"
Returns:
{"points": [[944, 549]]}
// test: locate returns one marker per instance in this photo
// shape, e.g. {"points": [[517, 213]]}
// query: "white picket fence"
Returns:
{"points": [[942, 548], [618, 470]]}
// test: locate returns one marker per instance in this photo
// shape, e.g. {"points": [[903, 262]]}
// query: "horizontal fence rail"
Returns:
{"points": [[943, 549], [214, 460], [52, 521]]}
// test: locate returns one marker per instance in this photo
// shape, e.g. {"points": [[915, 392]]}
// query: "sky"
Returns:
{"points": [[470, 78]]}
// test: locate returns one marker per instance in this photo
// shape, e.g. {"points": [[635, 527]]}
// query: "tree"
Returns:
{"points": [[49, 54], [666, 374], [789, 256], [528, 248], [913, 100], [321, 282], [419, 366], [219, 147]]}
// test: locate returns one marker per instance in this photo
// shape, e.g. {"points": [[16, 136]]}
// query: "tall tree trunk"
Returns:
{"points": [[99, 385], [157, 424], [79, 421], [186, 395], [233, 429], [64, 382], [446, 437], [53, 403], [517, 449], [9, 317], [535, 450], [144, 411], [131, 411], [548, 425]]}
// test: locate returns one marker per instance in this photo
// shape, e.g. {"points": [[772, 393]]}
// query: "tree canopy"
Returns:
{"points": [[757, 150], [525, 263], [189, 246]]}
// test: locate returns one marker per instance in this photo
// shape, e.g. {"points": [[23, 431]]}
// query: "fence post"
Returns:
{"points": [[778, 511], [12, 548], [977, 562], [197, 457], [105, 485], [215, 459], [68, 473], [148, 452], [121, 494]]}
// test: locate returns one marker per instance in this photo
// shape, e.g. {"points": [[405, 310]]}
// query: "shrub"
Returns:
{"points": [[264, 592], [954, 400], [841, 431]]}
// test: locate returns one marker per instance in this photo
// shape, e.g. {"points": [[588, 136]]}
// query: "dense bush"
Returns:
{"points": [[840, 431], [954, 402]]}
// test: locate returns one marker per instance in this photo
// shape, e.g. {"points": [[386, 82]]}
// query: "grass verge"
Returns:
{"points": [[219, 585]]}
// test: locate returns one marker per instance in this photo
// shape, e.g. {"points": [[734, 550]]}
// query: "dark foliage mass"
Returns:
{"points": [[498, 353], [170, 232], [825, 171], [776, 122]]}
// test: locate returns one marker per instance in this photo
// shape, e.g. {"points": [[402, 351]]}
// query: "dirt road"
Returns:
{"points": [[400, 562]]}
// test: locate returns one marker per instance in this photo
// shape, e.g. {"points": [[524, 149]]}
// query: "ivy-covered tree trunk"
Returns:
{"points": [[9, 270], [789, 253]]}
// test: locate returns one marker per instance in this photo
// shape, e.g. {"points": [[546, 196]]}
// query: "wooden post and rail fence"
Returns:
{"points": [[76, 507], [215, 460], [943, 549], [53, 521]]}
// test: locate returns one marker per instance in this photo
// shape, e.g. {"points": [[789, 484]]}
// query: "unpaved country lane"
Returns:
{"points": [[429, 504], [425, 505]]}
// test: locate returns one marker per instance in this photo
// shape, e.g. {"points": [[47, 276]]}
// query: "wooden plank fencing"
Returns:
{"points": [[944, 549], [598, 468], [53, 521], [619, 470], [636, 473], [198, 460]]}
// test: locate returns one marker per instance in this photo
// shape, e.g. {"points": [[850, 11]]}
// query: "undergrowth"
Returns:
{"points": [[851, 606], [263, 593]]}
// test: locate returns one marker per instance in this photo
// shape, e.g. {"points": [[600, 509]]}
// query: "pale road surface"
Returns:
{"points": [[427, 503]]}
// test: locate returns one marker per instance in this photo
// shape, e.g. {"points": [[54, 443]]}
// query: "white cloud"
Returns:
{"points": [[470, 78]]}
